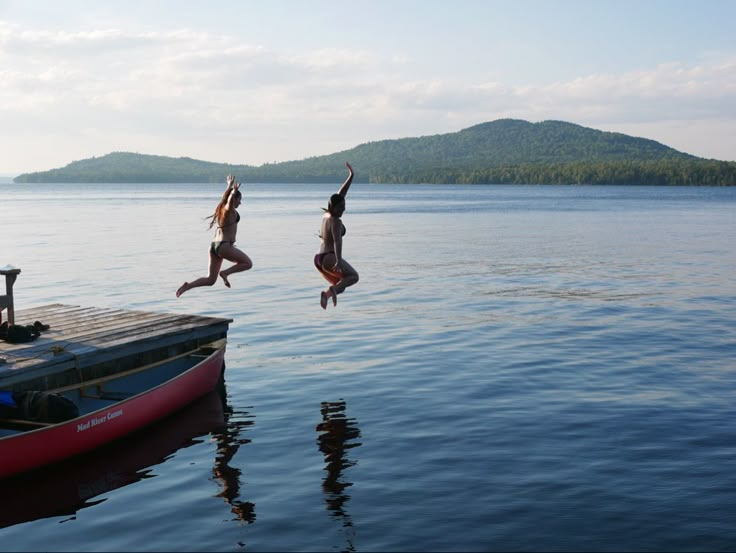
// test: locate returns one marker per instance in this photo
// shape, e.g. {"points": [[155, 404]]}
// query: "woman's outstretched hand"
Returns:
{"points": [[346, 185], [232, 184]]}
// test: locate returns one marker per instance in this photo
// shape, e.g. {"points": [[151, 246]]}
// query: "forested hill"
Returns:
{"points": [[506, 151]]}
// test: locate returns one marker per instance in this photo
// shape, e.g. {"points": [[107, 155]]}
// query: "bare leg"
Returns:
{"points": [[241, 262], [349, 277], [209, 280], [339, 281]]}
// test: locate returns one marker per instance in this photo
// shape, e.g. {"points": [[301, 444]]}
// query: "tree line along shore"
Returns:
{"points": [[505, 151]]}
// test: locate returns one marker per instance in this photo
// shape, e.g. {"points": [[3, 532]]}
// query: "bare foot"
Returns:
{"points": [[323, 298], [183, 288], [224, 278]]}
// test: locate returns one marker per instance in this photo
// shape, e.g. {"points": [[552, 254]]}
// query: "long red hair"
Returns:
{"points": [[219, 215]]}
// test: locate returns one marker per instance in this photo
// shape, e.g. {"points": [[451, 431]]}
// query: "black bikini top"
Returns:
{"points": [[237, 220]]}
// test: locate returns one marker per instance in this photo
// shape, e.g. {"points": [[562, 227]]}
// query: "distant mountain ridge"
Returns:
{"points": [[501, 151]]}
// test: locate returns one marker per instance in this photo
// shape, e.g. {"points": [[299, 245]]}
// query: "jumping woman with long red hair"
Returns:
{"points": [[226, 219]]}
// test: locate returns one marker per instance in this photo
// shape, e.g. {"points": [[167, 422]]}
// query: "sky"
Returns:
{"points": [[254, 81]]}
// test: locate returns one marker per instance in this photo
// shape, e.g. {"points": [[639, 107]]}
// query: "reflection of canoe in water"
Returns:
{"points": [[110, 408], [71, 485]]}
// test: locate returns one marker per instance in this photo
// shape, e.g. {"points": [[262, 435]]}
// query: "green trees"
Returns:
{"points": [[662, 172], [506, 151]]}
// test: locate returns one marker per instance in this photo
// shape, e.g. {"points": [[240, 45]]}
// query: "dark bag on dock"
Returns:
{"points": [[44, 407], [18, 334]]}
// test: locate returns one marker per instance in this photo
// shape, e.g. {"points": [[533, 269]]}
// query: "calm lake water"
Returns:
{"points": [[519, 368]]}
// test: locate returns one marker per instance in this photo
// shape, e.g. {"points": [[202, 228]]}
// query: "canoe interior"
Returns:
{"points": [[105, 392]]}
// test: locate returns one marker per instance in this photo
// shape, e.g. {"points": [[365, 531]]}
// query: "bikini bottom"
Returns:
{"points": [[319, 258], [331, 276], [215, 247]]}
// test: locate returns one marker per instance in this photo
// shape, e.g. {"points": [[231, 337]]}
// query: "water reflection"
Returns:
{"points": [[229, 441], [338, 433]]}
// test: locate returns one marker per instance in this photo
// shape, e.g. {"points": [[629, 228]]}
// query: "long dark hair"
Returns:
{"points": [[219, 215]]}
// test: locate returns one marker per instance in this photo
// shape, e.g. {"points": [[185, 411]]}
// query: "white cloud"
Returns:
{"points": [[668, 92], [334, 58]]}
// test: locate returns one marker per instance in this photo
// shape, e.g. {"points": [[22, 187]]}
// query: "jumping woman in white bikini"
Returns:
{"points": [[223, 247]]}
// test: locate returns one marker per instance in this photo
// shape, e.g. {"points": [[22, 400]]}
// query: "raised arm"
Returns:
{"points": [[233, 187], [346, 185]]}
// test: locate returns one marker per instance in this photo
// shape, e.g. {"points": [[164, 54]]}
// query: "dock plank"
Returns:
{"points": [[83, 338], [100, 325]]}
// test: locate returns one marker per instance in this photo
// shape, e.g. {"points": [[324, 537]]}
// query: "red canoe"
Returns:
{"points": [[112, 407], [67, 487]]}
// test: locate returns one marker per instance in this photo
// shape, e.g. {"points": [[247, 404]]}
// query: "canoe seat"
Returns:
{"points": [[6, 301]]}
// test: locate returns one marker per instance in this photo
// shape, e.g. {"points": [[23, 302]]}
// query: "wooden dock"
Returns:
{"points": [[83, 343]]}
